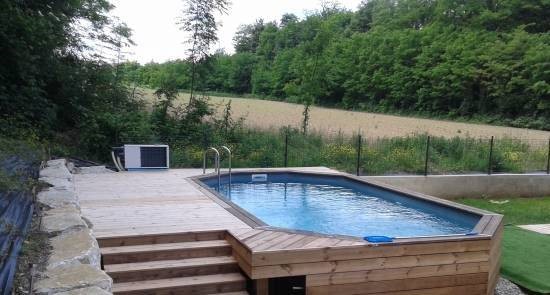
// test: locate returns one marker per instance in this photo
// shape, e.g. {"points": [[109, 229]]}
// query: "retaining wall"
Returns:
{"points": [[73, 266], [472, 185]]}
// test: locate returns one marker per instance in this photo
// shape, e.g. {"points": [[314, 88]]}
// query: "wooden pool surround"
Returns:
{"points": [[348, 265]]}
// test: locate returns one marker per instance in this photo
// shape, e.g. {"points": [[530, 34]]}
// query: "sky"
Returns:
{"points": [[158, 38]]}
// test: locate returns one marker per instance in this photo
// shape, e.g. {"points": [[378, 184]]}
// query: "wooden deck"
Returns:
{"points": [[137, 205], [141, 203]]}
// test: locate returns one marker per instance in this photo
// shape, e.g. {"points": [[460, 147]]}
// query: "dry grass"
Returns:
{"points": [[265, 114]]}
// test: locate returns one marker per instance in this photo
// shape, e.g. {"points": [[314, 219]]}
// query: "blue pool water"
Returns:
{"points": [[336, 205]]}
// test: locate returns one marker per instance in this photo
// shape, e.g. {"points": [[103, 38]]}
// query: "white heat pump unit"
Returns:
{"points": [[142, 156]]}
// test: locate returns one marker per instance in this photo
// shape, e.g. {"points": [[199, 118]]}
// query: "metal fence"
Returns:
{"points": [[413, 155]]}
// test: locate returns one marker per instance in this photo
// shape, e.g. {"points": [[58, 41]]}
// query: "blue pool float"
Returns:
{"points": [[378, 239]]}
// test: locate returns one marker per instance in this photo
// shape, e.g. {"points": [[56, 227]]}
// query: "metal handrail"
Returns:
{"points": [[216, 163], [223, 147]]}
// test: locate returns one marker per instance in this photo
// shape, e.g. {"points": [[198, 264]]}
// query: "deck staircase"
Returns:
{"points": [[184, 263]]}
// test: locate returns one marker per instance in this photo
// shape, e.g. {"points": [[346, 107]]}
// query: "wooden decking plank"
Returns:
{"points": [[271, 257], [265, 240], [457, 290], [346, 243], [248, 234], [163, 264], [304, 241], [242, 232], [177, 282], [163, 247], [321, 242], [258, 235], [295, 269], [396, 273], [282, 245], [400, 285], [275, 242]]}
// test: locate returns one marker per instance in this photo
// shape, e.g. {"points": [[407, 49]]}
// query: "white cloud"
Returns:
{"points": [[157, 35]]}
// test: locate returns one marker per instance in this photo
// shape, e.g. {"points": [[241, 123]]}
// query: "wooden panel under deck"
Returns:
{"points": [[340, 265]]}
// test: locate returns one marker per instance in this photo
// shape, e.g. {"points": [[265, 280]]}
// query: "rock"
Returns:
{"points": [[74, 248], [72, 277], [70, 208], [57, 163], [59, 183], [56, 198], [71, 167], [56, 172], [505, 287], [62, 219], [86, 291], [88, 222], [94, 170]]}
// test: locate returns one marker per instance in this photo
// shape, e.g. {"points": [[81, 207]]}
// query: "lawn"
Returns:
{"points": [[516, 211], [525, 254]]}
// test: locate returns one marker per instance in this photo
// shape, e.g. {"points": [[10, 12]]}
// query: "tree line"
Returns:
{"points": [[484, 60], [62, 82]]}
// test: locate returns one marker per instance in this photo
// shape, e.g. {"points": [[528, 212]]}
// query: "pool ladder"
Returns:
{"points": [[217, 163]]}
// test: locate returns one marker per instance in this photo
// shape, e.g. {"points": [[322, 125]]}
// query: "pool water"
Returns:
{"points": [[341, 206]]}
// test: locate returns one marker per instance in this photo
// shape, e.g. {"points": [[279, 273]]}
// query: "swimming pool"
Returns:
{"points": [[339, 205]]}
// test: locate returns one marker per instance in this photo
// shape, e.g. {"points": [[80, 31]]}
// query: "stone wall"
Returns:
{"points": [[74, 264]]}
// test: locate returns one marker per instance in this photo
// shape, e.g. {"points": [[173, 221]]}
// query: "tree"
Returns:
{"points": [[247, 37], [199, 21], [288, 19]]}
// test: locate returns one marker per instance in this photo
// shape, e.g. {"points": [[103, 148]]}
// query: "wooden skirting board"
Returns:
{"points": [[340, 265]]}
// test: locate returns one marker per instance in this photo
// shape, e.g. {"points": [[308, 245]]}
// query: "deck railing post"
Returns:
{"points": [[427, 158], [286, 149], [490, 165], [358, 165], [548, 159]]}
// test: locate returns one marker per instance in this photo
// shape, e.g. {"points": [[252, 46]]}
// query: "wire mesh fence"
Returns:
{"points": [[412, 155]]}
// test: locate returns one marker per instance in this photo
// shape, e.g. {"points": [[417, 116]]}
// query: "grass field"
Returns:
{"points": [[525, 254], [265, 114]]}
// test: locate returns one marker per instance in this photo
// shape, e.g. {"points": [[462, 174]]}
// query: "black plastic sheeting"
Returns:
{"points": [[16, 210]]}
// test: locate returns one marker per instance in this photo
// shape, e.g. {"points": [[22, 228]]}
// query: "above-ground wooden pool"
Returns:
{"points": [[333, 233]]}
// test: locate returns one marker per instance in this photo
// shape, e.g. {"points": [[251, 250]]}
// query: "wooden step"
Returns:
{"points": [[116, 241], [164, 269], [199, 285], [168, 251]]}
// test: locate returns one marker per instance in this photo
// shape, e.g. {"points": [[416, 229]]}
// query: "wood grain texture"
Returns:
{"points": [[388, 286]]}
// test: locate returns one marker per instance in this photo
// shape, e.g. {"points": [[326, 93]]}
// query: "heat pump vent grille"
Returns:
{"points": [[153, 157]]}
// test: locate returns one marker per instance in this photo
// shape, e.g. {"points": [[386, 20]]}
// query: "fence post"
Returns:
{"points": [[548, 159], [286, 149], [490, 167], [359, 142], [427, 159]]}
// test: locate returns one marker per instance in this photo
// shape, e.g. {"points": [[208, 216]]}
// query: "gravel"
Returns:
{"points": [[505, 287]]}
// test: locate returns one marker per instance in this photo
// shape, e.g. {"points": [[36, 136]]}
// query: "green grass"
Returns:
{"points": [[526, 259], [517, 211], [525, 254]]}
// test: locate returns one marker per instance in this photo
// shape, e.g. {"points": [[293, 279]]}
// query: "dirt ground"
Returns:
{"points": [[35, 250]]}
